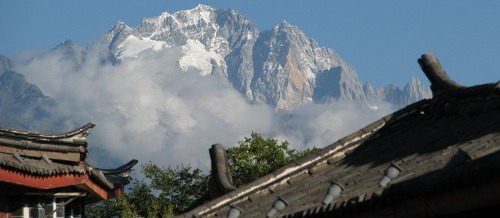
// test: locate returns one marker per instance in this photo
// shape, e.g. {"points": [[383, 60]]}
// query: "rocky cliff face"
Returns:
{"points": [[291, 69], [412, 92], [22, 105], [281, 67]]}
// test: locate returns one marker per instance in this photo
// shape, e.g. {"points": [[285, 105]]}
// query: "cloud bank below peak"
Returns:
{"points": [[149, 108], [168, 89]]}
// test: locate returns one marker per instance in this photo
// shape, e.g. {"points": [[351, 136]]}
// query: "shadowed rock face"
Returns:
{"points": [[22, 104]]}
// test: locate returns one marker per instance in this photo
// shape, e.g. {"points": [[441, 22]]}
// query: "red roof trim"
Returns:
{"points": [[57, 181]]}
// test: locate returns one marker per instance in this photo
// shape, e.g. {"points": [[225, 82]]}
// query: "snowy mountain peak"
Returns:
{"points": [[415, 90], [202, 7], [67, 43], [118, 28], [159, 18], [115, 37], [284, 26], [281, 66], [69, 46], [414, 81], [120, 25], [201, 13], [192, 16]]}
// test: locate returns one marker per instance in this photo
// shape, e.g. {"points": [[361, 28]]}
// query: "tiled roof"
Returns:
{"points": [[454, 135], [73, 137], [69, 146], [50, 155], [39, 167]]}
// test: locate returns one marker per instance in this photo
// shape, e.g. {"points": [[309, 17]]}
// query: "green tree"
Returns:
{"points": [[172, 190], [256, 156], [178, 187], [107, 208]]}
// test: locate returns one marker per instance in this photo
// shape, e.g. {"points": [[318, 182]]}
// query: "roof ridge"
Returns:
{"points": [[337, 149], [76, 136]]}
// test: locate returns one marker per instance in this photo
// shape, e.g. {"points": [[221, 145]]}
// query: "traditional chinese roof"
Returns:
{"points": [[47, 161], [434, 149]]}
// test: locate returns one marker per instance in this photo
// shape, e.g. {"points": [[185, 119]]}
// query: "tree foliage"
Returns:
{"points": [[256, 156], [179, 186], [169, 190], [166, 191]]}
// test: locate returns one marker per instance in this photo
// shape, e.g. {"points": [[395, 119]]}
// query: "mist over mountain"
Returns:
{"points": [[22, 104], [5, 64], [169, 88]]}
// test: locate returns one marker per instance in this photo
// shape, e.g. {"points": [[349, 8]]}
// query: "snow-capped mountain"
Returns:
{"points": [[281, 67], [278, 66], [170, 83]]}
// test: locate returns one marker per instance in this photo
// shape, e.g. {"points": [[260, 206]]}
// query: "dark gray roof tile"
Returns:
{"points": [[33, 146]]}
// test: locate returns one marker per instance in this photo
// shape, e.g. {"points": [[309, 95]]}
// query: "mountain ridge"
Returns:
{"points": [[213, 81], [281, 67], [278, 67]]}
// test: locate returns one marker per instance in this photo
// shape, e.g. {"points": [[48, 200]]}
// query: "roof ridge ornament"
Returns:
{"points": [[447, 93], [220, 181], [443, 86]]}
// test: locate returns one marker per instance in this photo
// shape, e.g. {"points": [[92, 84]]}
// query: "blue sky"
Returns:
{"points": [[381, 39]]}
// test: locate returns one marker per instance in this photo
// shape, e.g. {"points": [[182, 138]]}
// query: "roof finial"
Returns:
{"points": [[221, 181], [442, 85]]}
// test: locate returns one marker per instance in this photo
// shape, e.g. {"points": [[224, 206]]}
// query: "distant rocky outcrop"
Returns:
{"points": [[22, 104]]}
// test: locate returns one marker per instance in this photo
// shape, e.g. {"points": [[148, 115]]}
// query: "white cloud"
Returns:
{"points": [[149, 109], [318, 125]]}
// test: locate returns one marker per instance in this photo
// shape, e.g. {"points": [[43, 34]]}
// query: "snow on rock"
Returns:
{"points": [[281, 67], [132, 46], [196, 56]]}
